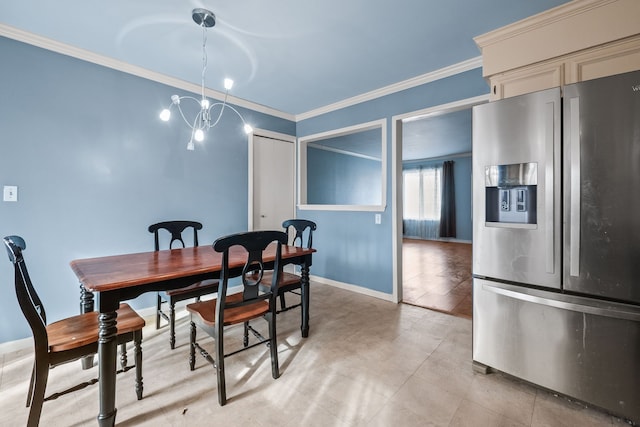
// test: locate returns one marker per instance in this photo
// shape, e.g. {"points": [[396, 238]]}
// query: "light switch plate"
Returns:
{"points": [[10, 193], [378, 218]]}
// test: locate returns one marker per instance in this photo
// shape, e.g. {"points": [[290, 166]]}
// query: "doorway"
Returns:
{"points": [[434, 274], [271, 180]]}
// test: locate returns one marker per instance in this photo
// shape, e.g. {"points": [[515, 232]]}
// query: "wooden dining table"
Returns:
{"points": [[123, 277]]}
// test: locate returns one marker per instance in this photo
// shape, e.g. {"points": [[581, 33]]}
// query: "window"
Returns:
{"points": [[422, 193]]}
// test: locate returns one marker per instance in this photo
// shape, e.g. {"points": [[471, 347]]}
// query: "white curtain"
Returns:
{"points": [[421, 202]]}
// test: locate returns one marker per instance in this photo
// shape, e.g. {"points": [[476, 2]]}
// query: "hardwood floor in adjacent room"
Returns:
{"points": [[437, 275]]}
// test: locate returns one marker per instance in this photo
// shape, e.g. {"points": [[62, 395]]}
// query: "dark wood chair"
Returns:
{"points": [[291, 282], [251, 303], [194, 291], [65, 340]]}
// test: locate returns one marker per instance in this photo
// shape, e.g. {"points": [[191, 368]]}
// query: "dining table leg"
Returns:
{"points": [[107, 352], [304, 279], [86, 306]]}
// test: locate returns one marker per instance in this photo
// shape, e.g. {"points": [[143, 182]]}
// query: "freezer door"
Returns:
{"points": [[516, 189], [578, 346], [602, 187]]}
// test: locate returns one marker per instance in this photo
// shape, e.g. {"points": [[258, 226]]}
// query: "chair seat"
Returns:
{"points": [[80, 330], [198, 286], [206, 311], [286, 279]]}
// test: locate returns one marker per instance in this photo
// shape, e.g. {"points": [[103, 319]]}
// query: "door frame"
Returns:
{"points": [[250, 142], [396, 178]]}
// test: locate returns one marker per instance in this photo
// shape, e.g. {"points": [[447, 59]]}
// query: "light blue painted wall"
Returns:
{"points": [[351, 248], [462, 181], [342, 179], [94, 167]]}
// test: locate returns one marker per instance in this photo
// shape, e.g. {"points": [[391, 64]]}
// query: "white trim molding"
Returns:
{"points": [[105, 61], [449, 71], [353, 288]]}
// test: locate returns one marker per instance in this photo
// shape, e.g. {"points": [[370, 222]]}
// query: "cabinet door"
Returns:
{"points": [[527, 80], [616, 58]]}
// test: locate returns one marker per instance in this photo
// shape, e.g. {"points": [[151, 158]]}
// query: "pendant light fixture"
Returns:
{"points": [[203, 121]]}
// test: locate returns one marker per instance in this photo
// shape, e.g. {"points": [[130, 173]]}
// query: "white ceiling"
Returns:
{"points": [[290, 55]]}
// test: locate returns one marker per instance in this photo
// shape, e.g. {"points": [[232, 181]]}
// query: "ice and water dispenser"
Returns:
{"points": [[510, 192]]}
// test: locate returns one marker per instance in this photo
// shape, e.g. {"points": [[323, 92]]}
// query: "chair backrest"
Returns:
{"points": [[176, 228], [30, 303], [255, 243], [300, 225]]}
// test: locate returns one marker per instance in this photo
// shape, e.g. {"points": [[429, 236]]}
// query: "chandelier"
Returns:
{"points": [[204, 119]]}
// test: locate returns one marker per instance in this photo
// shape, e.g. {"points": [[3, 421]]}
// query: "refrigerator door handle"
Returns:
{"points": [[549, 186], [572, 304], [574, 192]]}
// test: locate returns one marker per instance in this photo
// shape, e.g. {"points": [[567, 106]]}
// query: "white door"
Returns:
{"points": [[272, 193]]}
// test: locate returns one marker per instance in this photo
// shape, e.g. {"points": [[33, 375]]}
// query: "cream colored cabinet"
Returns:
{"points": [[526, 80], [577, 41], [614, 58]]}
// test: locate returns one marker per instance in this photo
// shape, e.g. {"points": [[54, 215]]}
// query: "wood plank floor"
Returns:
{"points": [[437, 275]]}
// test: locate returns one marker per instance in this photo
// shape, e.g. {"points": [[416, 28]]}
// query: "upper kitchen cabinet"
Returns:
{"points": [[580, 40]]}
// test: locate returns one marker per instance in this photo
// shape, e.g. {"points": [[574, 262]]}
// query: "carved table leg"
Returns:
{"points": [[305, 299], [86, 306], [107, 352]]}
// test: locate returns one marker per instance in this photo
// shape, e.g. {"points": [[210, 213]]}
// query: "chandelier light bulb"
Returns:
{"points": [[247, 129], [228, 84], [204, 104], [198, 135], [165, 115]]}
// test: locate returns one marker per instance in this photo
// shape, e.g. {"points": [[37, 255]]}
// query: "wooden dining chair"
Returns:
{"points": [[291, 282], [68, 339], [194, 291], [250, 303]]}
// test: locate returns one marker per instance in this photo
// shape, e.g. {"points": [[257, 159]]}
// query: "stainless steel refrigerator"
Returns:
{"points": [[556, 240]]}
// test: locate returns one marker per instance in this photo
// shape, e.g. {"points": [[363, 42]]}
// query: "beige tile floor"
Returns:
{"points": [[366, 362]]}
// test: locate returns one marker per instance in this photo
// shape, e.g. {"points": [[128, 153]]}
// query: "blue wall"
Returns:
{"points": [[351, 248], [342, 179], [95, 166], [462, 182]]}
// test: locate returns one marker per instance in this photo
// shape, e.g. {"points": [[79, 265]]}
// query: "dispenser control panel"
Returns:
{"points": [[511, 192]]}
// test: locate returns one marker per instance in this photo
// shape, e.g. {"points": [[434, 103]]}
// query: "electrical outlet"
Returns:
{"points": [[10, 193]]}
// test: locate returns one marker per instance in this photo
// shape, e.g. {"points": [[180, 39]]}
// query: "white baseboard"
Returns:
{"points": [[353, 288]]}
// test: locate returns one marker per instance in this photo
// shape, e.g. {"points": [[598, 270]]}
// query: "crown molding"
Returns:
{"points": [[88, 56], [541, 20], [105, 61], [451, 70]]}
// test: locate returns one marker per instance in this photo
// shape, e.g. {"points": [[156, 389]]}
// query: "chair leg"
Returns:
{"points": [[245, 338], [158, 308], [283, 305], [273, 344], [222, 386], [192, 347], [41, 374], [137, 343], [30, 393], [123, 356], [172, 324]]}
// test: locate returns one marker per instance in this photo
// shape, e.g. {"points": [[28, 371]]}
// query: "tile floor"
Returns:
{"points": [[437, 275], [366, 362]]}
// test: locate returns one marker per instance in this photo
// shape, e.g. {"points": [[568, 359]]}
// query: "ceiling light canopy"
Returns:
{"points": [[204, 120]]}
